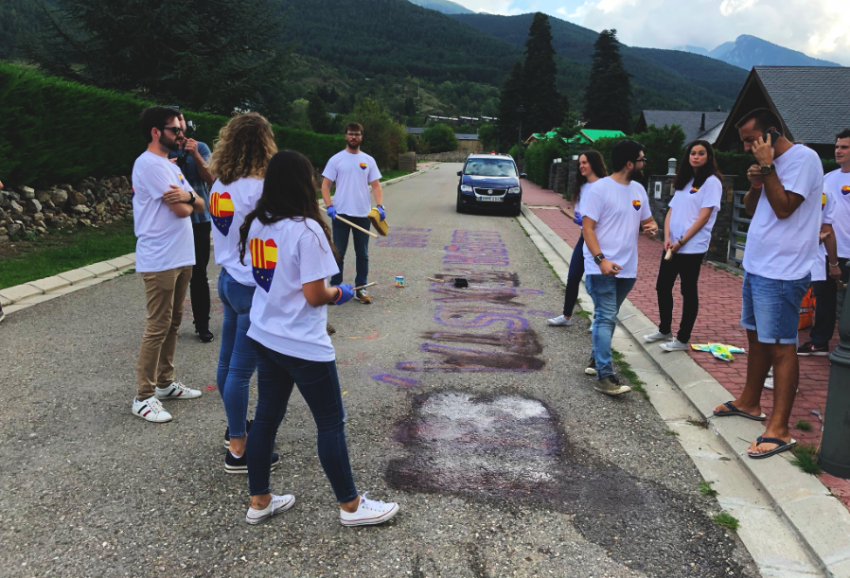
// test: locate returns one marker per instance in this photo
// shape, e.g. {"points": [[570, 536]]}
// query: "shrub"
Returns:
{"points": [[383, 138], [439, 138], [538, 158], [58, 131]]}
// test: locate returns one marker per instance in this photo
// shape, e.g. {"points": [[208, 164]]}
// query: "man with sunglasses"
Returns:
{"points": [[193, 158], [613, 212], [162, 203], [354, 173]]}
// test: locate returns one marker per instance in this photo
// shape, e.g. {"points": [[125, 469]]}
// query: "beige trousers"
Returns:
{"points": [[165, 292]]}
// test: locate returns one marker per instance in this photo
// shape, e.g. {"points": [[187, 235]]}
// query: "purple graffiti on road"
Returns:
{"points": [[476, 248], [408, 237], [395, 380]]}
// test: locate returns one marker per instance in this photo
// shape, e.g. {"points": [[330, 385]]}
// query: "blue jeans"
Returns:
{"points": [[237, 359], [361, 248], [319, 386], [608, 294], [771, 307], [574, 278]]}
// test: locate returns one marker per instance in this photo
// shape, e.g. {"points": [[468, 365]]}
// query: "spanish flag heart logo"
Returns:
{"points": [[694, 190], [263, 261], [364, 166], [822, 201], [221, 211], [845, 190], [636, 205], [182, 180]]}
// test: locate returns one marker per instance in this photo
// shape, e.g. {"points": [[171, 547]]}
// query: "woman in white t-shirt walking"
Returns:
{"points": [[242, 152], [591, 168], [291, 258], [687, 233]]}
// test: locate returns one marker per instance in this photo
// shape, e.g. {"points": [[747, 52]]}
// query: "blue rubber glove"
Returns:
{"points": [[578, 219], [332, 212], [383, 212], [346, 293]]}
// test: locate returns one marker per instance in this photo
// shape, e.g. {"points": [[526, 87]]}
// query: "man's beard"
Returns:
{"points": [[172, 145], [353, 145], [635, 174]]}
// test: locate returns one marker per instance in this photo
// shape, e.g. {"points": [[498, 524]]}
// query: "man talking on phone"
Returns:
{"points": [[786, 184], [614, 210]]}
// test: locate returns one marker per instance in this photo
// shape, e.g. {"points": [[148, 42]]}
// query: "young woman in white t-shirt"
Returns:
{"points": [[242, 152], [591, 168], [687, 234], [291, 255]]}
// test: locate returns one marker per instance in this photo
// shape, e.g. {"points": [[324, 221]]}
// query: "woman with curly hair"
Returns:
{"points": [[242, 152]]}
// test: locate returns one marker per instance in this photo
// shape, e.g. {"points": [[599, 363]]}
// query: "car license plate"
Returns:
{"points": [[489, 199]]}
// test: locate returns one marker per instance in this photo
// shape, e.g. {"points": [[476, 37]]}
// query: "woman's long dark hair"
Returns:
{"points": [[289, 192], [597, 165], [686, 171]]}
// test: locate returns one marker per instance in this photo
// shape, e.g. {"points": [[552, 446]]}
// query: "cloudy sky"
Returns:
{"points": [[820, 28]]}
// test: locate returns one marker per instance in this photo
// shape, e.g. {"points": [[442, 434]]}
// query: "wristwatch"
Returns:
{"points": [[766, 169], [599, 258], [192, 197]]}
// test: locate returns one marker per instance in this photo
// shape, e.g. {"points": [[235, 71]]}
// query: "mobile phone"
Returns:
{"points": [[774, 136]]}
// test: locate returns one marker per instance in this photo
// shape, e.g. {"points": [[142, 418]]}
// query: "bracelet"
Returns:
{"points": [[833, 264], [338, 295]]}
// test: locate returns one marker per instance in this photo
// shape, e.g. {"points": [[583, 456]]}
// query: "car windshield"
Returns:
{"points": [[490, 168]]}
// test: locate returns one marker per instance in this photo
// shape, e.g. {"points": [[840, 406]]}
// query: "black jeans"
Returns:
{"points": [[687, 268], [826, 306], [199, 287], [340, 233], [574, 277]]}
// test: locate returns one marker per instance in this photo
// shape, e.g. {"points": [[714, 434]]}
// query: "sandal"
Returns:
{"points": [[734, 411]]}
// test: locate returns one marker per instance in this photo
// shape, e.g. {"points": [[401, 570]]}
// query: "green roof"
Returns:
{"points": [[593, 134]]}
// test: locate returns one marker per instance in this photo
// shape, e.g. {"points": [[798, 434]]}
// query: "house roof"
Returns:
{"points": [[593, 134], [811, 100], [690, 121], [472, 136]]}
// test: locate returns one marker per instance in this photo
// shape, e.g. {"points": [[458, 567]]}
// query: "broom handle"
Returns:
{"points": [[372, 284], [350, 224]]}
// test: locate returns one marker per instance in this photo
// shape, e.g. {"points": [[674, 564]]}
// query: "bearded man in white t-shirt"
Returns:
{"points": [[613, 211], [786, 187], [165, 255], [355, 174]]}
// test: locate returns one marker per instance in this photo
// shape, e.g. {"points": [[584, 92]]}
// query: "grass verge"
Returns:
{"points": [[806, 458], [626, 370], [60, 251], [728, 521], [706, 490], [389, 175], [803, 425]]}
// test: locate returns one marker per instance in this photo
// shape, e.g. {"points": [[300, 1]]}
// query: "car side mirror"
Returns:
{"points": [[460, 173], [523, 176]]}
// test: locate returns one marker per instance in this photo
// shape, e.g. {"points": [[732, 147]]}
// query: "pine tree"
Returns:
{"points": [[545, 105], [207, 55], [320, 120], [510, 100], [609, 91]]}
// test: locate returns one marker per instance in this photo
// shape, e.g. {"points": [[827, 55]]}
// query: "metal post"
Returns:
{"points": [[835, 446]]}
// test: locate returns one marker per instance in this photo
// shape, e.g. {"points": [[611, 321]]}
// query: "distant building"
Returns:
{"points": [[465, 142], [703, 125], [811, 101]]}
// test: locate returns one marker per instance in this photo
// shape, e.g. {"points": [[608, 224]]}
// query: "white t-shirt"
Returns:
{"points": [[229, 205], [827, 214], [284, 256], [686, 205], [618, 211], [164, 240], [838, 185], [582, 192], [785, 249], [352, 174]]}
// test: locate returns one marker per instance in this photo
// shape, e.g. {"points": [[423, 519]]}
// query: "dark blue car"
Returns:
{"points": [[490, 181]]}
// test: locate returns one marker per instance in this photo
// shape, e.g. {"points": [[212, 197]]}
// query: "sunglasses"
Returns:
{"points": [[643, 160], [175, 129]]}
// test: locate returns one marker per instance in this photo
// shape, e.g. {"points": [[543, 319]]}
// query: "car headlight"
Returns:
{"points": [[466, 188], [513, 191]]}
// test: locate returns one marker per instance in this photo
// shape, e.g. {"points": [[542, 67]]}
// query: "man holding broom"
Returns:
{"points": [[354, 173]]}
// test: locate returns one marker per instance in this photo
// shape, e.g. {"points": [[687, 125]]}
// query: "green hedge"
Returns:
{"points": [[53, 131], [539, 157]]}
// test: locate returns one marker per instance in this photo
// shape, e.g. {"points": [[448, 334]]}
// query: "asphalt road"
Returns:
{"points": [[462, 404]]}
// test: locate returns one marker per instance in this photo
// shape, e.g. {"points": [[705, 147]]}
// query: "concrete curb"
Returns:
{"points": [[28, 294], [820, 521]]}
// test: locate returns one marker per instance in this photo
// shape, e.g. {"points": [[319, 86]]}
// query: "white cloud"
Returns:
{"points": [[504, 7], [729, 7]]}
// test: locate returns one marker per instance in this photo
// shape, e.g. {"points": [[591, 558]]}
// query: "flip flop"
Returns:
{"points": [[780, 447], [734, 411]]}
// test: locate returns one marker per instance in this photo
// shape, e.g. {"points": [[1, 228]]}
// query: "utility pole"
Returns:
{"points": [[835, 451]]}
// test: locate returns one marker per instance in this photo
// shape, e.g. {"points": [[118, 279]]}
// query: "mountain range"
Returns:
{"points": [[748, 51], [444, 6]]}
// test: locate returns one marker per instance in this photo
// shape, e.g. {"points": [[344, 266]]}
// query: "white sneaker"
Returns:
{"points": [[559, 321], [151, 409], [177, 391], [674, 345], [657, 336], [368, 512], [278, 504]]}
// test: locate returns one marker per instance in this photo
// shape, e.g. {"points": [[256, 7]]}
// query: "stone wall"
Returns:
{"points": [[449, 157], [25, 211]]}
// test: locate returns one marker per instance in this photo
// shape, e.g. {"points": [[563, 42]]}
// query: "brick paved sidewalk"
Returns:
{"points": [[718, 322]]}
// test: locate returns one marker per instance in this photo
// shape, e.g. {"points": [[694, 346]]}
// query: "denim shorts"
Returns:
{"points": [[772, 307]]}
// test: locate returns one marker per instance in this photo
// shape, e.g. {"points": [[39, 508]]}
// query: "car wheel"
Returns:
{"points": [[460, 207]]}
